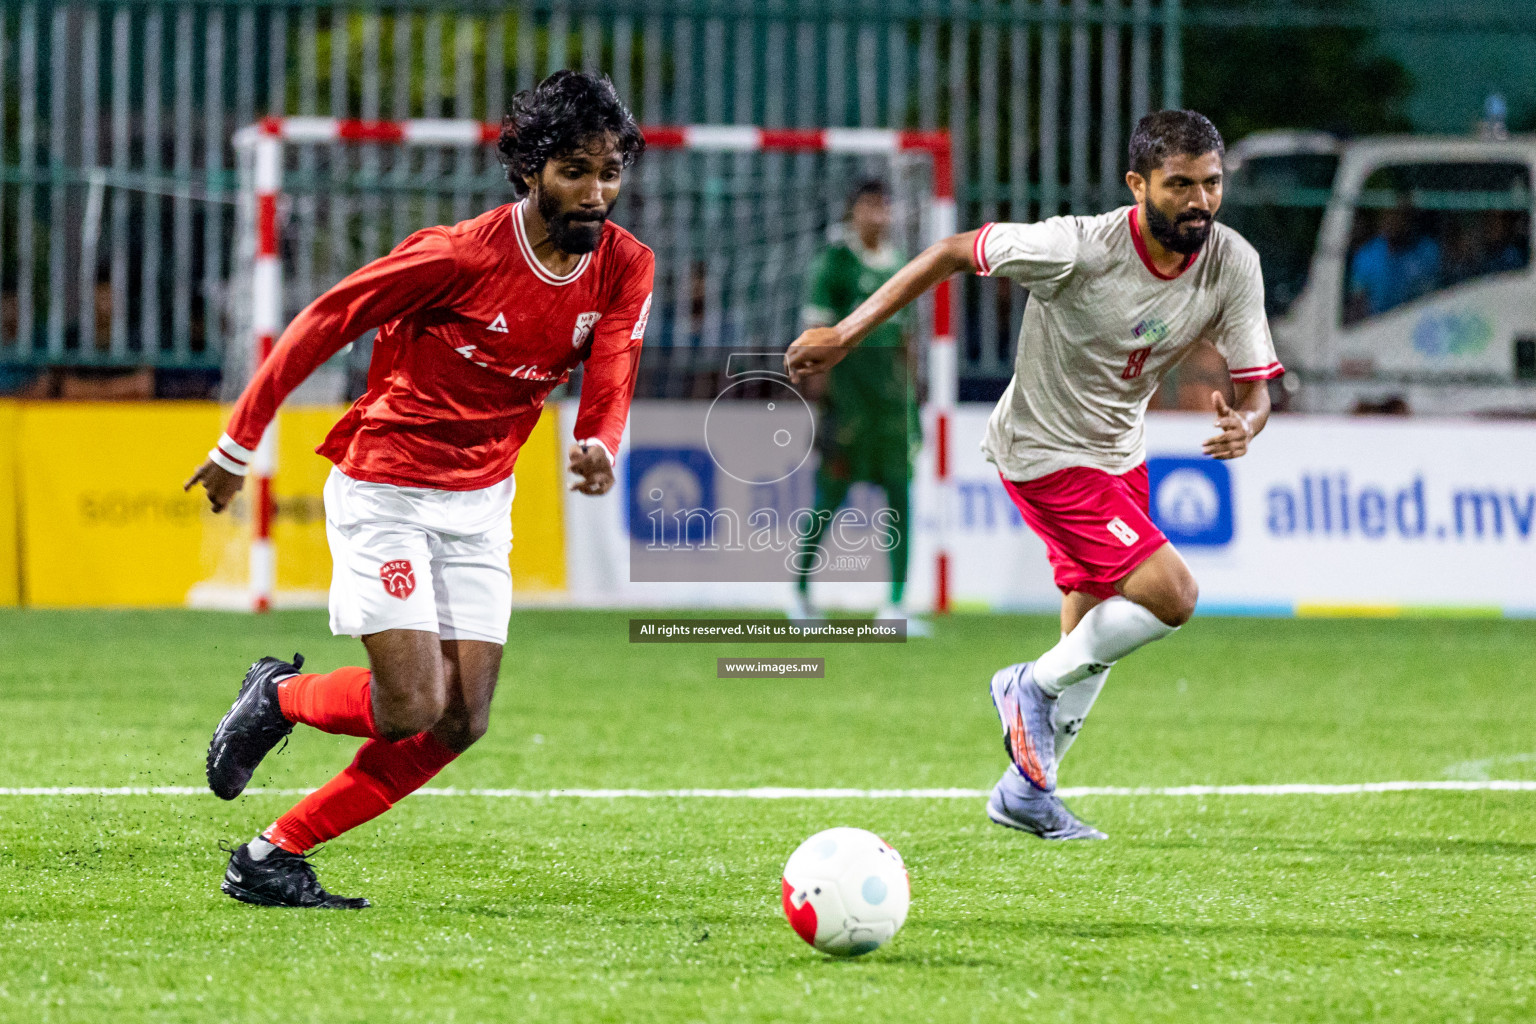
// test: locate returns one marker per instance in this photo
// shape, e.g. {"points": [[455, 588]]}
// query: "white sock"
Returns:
{"points": [[1072, 707], [1111, 630], [259, 848]]}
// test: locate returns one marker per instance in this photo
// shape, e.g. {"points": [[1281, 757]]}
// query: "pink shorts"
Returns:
{"points": [[1095, 525]]}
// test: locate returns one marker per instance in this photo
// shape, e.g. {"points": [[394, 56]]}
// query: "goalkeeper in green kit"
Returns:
{"points": [[868, 430]]}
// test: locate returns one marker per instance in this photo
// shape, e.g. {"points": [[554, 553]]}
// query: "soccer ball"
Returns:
{"points": [[846, 891]]}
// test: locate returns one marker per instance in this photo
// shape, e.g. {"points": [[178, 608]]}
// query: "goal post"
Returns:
{"points": [[261, 295]]}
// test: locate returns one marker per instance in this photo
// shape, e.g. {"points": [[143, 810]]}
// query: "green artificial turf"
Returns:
{"points": [[1392, 907]]}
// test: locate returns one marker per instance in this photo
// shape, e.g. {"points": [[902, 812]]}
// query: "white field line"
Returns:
{"points": [[796, 793]]}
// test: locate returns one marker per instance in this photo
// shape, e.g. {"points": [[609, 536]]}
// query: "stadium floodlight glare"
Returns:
{"points": [[258, 286]]}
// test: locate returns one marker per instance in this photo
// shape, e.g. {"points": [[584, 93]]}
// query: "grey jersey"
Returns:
{"points": [[1101, 328]]}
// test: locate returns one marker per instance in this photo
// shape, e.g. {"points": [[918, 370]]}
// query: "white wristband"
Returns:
{"points": [[226, 463], [591, 441]]}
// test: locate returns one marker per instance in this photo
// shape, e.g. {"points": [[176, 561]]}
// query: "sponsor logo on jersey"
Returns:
{"points": [[499, 325], [398, 578], [468, 352], [645, 314], [584, 324], [527, 372], [1151, 330]]}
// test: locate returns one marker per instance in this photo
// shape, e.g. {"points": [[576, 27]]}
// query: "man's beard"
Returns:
{"points": [[1185, 233], [575, 232]]}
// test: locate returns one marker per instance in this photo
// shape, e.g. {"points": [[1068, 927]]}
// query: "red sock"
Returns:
{"points": [[337, 702], [381, 774]]}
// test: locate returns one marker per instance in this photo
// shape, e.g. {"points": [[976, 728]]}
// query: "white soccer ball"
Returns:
{"points": [[846, 891]]}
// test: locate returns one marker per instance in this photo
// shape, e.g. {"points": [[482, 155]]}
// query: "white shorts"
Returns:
{"points": [[419, 558]]}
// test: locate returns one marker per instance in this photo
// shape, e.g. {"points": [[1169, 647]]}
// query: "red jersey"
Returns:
{"points": [[474, 333]]}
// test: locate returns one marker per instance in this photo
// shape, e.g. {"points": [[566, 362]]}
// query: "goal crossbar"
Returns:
{"points": [[267, 138]]}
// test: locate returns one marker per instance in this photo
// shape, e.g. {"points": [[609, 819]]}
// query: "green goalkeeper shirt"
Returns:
{"points": [[868, 404]]}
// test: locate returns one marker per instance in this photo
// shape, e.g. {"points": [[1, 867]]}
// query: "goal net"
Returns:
{"points": [[735, 215]]}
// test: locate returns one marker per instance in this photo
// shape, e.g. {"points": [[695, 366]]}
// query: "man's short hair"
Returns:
{"points": [[566, 112], [1172, 133], [869, 187]]}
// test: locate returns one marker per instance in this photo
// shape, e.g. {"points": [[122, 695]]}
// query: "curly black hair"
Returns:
{"points": [[1172, 133], [562, 114]]}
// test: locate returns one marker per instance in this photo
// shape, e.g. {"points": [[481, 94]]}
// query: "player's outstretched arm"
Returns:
{"points": [[420, 272], [820, 348], [1241, 424]]}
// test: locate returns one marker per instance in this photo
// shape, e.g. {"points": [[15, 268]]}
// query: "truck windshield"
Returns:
{"points": [[1276, 203], [1421, 228]]}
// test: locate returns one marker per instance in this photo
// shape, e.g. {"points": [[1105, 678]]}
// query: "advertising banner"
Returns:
{"points": [[10, 547], [708, 511], [538, 523], [92, 513], [103, 518], [1323, 516], [1354, 514]]}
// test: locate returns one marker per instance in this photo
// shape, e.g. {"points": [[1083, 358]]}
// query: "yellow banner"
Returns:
{"points": [[103, 520], [10, 555], [538, 511]]}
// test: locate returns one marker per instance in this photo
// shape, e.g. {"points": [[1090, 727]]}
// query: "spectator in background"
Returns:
{"points": [[1478, 244], [1507, 243], [867, 430], [1396, 266]]}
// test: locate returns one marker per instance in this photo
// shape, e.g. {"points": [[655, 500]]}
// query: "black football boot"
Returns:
{"points": [[280, 879], [251, 729]]}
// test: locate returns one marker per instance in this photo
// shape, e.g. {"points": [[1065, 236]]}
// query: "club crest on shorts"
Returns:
{"points": [[398, 577], [584, 324]]}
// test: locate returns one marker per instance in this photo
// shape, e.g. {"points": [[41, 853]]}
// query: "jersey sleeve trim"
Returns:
{"points": [[236, 451], [1269, 372], [231, 456], [979, 250], [612, 461]]}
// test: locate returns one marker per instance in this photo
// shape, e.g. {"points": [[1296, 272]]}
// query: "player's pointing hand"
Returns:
{"points": [[220, 483], [1235, 434]]}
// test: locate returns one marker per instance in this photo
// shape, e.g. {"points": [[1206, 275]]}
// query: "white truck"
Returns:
{"points": [[1398, 269]]}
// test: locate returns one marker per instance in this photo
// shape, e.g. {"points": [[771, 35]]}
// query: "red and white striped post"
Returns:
{"points": [[266, 321], [272, 132], [943, 363]]}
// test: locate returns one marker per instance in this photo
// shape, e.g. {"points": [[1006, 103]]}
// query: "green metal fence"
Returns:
{"points": [[116, 169]]}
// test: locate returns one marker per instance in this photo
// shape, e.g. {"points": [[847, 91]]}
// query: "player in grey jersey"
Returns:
{"points": [[1114, 302]]}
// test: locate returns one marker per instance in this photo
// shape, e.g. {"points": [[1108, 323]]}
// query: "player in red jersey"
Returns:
{"points": [[477, 323]]}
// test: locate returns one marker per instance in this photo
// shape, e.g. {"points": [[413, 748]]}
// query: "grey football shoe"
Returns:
{"points": [[1029, 734], [1015, 803]]}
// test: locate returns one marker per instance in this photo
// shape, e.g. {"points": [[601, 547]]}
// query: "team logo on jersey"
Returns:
{"points": [[645, 314], [398, 578], [584, 324], [499, 325]]}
